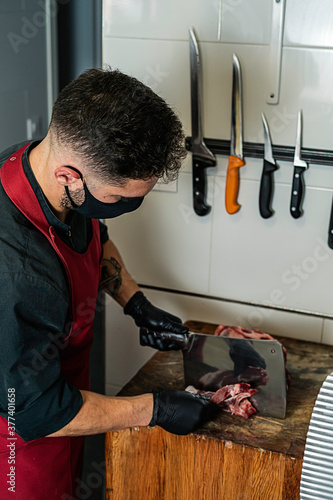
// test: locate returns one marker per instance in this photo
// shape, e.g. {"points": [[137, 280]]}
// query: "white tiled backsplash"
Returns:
{"points": [[279, 262]]}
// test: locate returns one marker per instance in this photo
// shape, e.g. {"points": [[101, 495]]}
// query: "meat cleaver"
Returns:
{"points": [[211, 362]]}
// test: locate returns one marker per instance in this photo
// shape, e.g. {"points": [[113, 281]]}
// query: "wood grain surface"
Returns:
{"points": [[231, 458]]}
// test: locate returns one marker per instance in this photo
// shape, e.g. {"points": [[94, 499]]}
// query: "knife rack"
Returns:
{"points": [[256, 150]]}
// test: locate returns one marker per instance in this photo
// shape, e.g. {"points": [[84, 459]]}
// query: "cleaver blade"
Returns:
{"points": [[209, 359]]}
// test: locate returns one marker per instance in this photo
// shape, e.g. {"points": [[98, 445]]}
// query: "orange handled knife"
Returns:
{"points": [[236, 140]]}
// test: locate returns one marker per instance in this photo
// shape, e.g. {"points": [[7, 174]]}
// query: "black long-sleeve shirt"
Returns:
{"points": [[34, 311]]}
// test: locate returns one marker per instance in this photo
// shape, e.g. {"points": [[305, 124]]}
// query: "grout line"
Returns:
{"points": [[322, 332], [219, 29], [235, 301], [219, 41]]}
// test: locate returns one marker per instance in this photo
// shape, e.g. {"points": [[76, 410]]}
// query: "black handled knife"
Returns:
{"points": [[202, 157], [298, 187], [266, 183], [330, 229]]}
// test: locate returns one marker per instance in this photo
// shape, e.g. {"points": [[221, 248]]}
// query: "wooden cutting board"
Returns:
{"points": [[255, 459]]}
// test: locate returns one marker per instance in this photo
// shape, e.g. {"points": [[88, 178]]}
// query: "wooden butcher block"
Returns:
{"points": [[231, 458]]}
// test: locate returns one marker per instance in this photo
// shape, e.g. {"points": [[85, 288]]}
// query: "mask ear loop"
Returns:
{"points": [[83, 182], [77, 171]]}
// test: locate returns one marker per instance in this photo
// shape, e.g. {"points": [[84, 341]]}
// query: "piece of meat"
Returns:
{"points": [[232, 398], [240, 332]]}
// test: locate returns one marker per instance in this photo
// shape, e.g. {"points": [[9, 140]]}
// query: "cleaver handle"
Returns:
{"points": [[163, 341]]}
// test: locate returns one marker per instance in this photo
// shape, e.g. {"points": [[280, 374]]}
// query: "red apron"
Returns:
{"points": [[50, 468]]}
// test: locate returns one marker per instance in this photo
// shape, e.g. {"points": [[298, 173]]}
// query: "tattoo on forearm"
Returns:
{"points": [[110, 276]]}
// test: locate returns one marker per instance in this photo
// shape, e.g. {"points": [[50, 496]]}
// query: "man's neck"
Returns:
{"points": [[42, 164]]}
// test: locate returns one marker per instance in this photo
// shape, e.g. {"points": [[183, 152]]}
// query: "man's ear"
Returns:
{"points": [[66, 175]]}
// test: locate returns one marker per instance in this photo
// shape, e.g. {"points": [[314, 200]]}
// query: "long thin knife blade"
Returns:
{"points": [[236, 140], [297, 157], [202, 157]]}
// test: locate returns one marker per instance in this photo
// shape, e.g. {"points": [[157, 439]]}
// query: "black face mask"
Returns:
{"points": [[95, 209]]}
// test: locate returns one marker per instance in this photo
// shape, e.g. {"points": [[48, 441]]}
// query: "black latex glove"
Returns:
{"points": [[181, 412], [145, 314]]}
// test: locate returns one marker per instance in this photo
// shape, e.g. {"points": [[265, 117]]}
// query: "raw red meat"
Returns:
{"points": [[240, 332], [231, 398]]}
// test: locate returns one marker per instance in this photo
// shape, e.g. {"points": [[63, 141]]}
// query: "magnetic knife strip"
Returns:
{"points": [[256, 150]]}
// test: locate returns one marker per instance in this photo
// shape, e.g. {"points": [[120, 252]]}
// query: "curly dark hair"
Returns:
{"points": [[119, 126]]}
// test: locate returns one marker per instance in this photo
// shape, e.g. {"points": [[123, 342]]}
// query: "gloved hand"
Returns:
{"points": [[181, 412], [145, 314]]}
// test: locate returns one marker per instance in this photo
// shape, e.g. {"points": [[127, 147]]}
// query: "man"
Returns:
{"points": [[110, 139]]}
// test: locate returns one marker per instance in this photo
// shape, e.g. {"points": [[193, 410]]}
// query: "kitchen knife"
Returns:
{"points": [[330, 229], [236, 140], [297, 192], [266, 183], [202, 157], [208, 357]]}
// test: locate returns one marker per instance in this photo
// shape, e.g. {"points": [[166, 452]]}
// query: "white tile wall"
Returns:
{"points": [[183, 246], [246, 22], [309, 23], [162, 19], [278, 261], [161, 64]]}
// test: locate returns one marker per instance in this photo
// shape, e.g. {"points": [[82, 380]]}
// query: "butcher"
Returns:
{"points": [[110, 139]]}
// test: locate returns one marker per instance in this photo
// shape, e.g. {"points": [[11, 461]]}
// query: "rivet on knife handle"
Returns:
{"points": [[297, 192], [199, 184]]}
